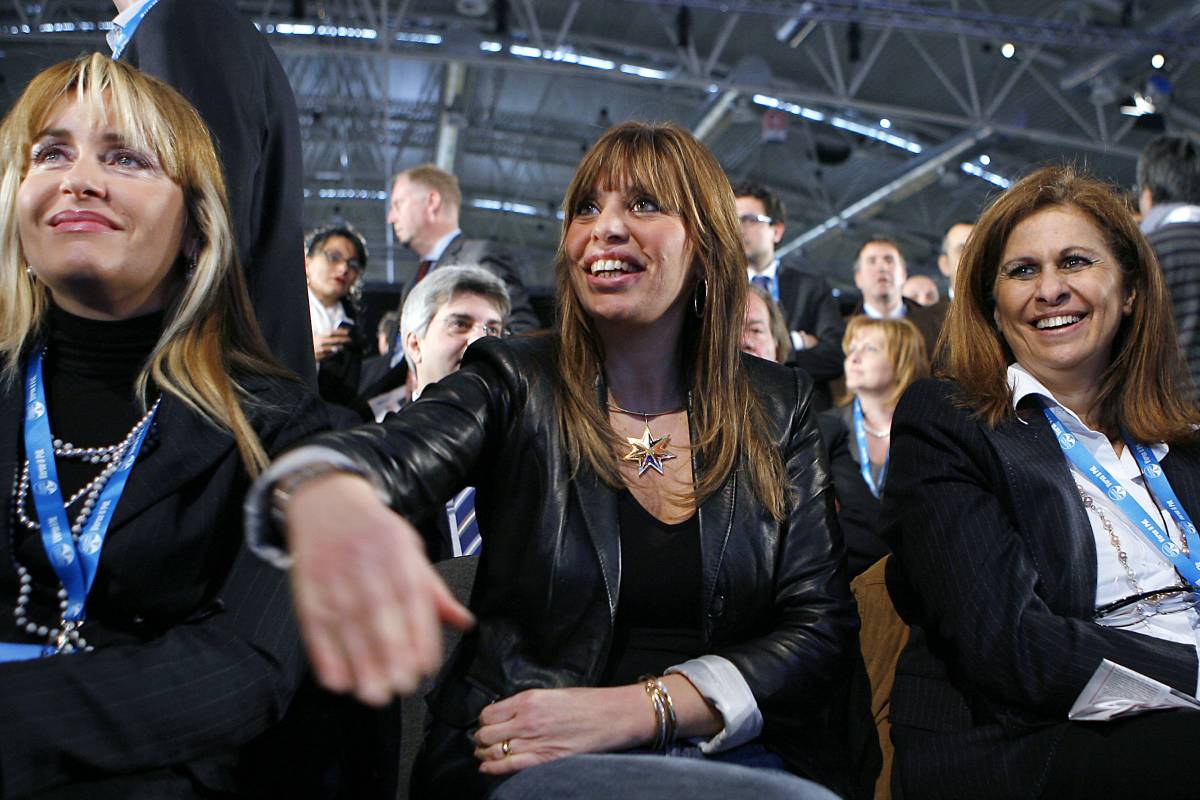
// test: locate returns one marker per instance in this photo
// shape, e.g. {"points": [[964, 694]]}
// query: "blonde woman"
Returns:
{"points": [[141, 646], [883, 356]]}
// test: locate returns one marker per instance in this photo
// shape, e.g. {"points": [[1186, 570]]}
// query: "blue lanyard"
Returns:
{"points": [[129, 27], [864, 457], [75, 563], [1148, 524]]}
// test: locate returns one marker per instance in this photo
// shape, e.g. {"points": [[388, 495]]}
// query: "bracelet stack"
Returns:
{"points": [[664, 711]]}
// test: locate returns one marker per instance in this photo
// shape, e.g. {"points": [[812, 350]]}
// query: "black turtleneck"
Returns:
{"points": [[90, 370]]}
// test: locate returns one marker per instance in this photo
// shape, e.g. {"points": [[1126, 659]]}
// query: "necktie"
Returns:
{"points": [[423, 270], [765, 283], [464, 530]]}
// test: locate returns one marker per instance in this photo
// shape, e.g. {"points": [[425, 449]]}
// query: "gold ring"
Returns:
{"points": [[506, 748]]}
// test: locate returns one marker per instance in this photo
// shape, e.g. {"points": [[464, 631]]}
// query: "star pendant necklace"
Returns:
{"points": [[649, 451]]}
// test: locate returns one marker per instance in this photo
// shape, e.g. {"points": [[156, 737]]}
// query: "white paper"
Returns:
{"points": [[1116, 691]]}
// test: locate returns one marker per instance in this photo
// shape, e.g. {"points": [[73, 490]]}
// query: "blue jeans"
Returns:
{"points": [[749, 771]]}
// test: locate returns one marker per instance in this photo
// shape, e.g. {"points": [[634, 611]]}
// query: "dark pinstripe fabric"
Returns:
{"points": [[197, 650], [996, 569], [1178, 249]]}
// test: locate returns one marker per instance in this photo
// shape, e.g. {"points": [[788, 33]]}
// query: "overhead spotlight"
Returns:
{"points": [[885, 123], [1008, 49], [985, 159], [1158, 60]]}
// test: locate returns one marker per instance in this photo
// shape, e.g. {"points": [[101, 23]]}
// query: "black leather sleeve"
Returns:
{"points": [[814, 623]]}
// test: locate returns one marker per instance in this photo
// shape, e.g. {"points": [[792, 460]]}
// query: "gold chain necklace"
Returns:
{"points": [[649, 451]]}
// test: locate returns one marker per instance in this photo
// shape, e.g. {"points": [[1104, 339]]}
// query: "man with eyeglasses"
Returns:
{"points": [[809, 308], [442, 316]]}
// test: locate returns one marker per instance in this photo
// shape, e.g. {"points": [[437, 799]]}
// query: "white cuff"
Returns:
{"points": [[722, 684], [798, 342], [261, 535]]}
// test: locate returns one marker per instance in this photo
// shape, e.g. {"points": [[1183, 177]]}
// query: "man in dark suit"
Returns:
{"points": [[879, 273], [1168, 173], [219, 61], [423, 213], [808, 305]]}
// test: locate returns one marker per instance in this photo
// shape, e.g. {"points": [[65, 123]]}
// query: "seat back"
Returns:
{"points": [[459, 575], [882, 638]]}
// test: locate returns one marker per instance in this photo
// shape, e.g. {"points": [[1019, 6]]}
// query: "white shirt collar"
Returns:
{"points": [[1024, 384], [901, 311], [440, 245], [771, 271], [120, 21]]}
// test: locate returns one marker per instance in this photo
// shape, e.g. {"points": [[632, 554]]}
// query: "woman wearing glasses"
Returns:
{"points": [[1037, 504], [334, 261]]}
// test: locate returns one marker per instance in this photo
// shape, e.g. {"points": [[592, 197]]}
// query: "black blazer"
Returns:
{"points": [[808, 305], [775, 596], [858, 509], [995, 567], [197, 651], [492, 256], [217, 59]]}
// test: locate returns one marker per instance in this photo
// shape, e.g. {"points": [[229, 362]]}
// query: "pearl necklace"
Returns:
{"points": [[67, 639]]}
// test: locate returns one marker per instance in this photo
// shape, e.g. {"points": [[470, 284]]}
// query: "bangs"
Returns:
{"points": [[111, 99], [634, 161]]}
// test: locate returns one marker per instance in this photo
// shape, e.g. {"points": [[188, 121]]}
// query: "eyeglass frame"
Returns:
{"points": [[1111, 610], [335, 257], [746, 219]]}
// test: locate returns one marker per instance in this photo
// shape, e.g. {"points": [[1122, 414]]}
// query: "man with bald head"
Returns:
{"points": [[921, 289], [952, 249]]}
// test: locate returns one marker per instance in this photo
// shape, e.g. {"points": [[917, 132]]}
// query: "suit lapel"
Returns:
{"points": [[599, 505], [186, 446], [1052, 520], [450, 254], [12, 415]]}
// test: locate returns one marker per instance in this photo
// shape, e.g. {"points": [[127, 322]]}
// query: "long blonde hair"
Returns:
{"points": [[210, 334], [903, 344], [674, 168]]}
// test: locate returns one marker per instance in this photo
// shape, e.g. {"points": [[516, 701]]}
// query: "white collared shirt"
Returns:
{"points": [[771, 271], [897, 313], [1152, 569], [119, 22], [440, 246]]}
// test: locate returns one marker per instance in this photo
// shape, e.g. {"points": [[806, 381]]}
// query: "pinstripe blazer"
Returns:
{"points": [[197, 651], [1178, 249], [996, 570]]}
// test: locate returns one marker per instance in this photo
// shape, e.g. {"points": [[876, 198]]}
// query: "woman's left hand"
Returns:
{"points": [[540, 725]]}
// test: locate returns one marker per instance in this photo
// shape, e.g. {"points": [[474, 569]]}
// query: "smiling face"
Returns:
{"points": [[630, 261], [100, 223], [869, 368], [1060, 298], [332, 269]]}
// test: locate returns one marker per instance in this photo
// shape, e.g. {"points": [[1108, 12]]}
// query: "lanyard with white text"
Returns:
{"points": [[864, 457], [1148, 524], [129, 27], [74, 563]]}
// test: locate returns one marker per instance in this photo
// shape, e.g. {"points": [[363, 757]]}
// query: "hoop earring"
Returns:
{"points": [[700, 297]]}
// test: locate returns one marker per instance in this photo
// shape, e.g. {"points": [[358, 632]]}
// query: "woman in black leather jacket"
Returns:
{"points": [[651, 501]]}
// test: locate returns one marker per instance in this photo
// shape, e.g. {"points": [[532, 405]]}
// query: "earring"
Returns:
{"points": [[191, 270], [699, 297], [29, 272]]}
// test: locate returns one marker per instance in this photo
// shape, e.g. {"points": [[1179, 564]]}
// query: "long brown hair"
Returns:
{"points": [[1145, 388], [210, 333], [685, 179]]}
